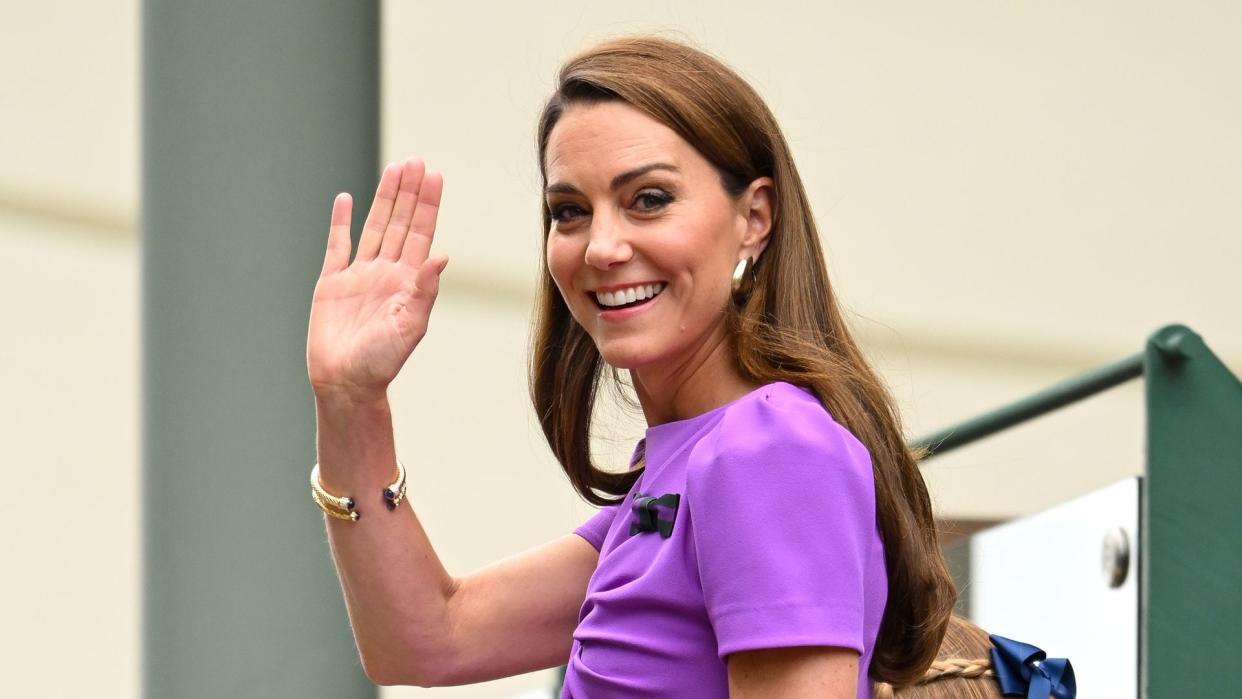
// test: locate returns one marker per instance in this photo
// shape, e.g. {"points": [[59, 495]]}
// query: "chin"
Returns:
{"points": [[624, 355], [622, 361]]}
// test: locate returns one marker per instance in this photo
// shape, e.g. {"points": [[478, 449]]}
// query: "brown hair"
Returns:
{"points": [[962, 670], [790, 328]]}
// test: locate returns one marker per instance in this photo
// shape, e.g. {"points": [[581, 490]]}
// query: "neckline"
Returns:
{"points": [[674, 425], [667, 439]]}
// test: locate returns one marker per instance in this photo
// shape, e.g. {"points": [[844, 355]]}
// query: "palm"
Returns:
{"points": [[368, 316]]}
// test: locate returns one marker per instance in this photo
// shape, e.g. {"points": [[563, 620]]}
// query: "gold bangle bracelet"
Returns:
{"points": [[332, 511], [339, 503], [395, 493], [342, 507]]}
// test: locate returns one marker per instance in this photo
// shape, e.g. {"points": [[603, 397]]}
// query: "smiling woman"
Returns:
{"points": [[634, 206], [772, 536]]}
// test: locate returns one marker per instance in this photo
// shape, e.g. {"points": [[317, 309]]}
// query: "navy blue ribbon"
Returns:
{"points": [[647, 517], [1026, 671]]}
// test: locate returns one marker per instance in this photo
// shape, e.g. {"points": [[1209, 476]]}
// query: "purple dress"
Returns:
{"points": [[769, 540]]}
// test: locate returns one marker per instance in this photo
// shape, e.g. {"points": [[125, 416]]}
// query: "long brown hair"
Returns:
{"points": [[790, 328]]}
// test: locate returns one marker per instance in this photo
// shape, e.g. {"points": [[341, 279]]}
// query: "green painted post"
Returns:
{"points": [[1192, 513], [254, 116]]}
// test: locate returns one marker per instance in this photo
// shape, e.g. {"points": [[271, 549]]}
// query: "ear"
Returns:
{"points": [[756, 207]]}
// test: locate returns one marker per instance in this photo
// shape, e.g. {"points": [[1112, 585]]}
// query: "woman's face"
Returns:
{"points": [[644, 237]]}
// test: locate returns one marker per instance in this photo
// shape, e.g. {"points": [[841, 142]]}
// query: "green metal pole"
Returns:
{"points": [[1045, 401], [254, 116]]}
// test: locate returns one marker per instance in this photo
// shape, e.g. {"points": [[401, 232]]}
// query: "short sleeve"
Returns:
{"points": [[782, 507], [596, 528]]}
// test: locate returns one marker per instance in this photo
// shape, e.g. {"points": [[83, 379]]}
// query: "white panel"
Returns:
{"points": [[1040, 580]]}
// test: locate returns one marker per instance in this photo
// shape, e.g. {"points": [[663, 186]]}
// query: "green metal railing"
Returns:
{"points": [[1046, 401], [1167, 343], [1191, 505]]}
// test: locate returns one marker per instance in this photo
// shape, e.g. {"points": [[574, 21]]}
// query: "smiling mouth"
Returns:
{"points": [[630, 296]]}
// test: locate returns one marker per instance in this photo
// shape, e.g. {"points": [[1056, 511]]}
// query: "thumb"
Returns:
{"points": [[427, 279]]}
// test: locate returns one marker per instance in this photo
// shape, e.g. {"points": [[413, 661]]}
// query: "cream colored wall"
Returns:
{"points": [[70, 350], [69, 365], [1008, 194]]}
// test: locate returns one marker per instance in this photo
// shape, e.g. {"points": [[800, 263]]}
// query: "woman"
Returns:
{"points": [[773, 536]]}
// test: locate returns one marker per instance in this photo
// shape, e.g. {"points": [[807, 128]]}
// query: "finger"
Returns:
{"points": [[407, 198], [423, 227], [381, 211], [337, 256], [427, 283]]}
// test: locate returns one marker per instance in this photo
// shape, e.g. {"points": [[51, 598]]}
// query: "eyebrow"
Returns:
{"points": [[617, 182]]}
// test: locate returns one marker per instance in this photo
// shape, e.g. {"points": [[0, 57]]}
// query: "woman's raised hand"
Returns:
{"points": [[368, 316]]}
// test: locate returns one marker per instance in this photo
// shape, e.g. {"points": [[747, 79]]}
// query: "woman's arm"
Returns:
{"points": [[412, 621], [821, 672]]}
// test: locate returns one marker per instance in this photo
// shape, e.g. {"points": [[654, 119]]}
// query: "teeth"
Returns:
{"points": [[630, 295]]}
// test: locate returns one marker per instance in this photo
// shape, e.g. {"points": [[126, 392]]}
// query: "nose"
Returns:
{"points": [[607, 246]]}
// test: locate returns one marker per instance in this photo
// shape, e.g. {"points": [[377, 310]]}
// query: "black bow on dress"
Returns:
{"points": [[647, 517]]}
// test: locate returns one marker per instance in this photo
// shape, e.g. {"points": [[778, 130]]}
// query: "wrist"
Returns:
{"points": [[344, 401], [355, 425]]}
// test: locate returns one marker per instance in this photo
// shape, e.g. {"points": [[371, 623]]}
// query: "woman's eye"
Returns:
{"points": [[652, 200], [566, 212]]}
